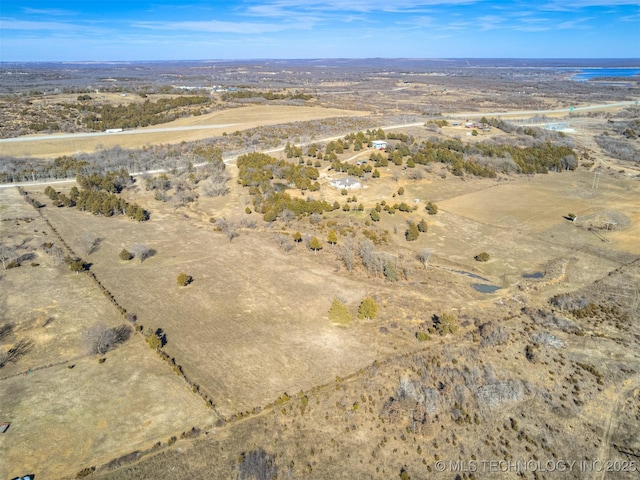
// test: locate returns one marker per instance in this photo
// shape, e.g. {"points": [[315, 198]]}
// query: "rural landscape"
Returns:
{"points": [[320, 269]]}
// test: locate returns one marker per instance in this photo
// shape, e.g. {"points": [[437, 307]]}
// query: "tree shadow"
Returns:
{"points": [[96, 245], [122, 333], [6, 330], [162, 336], [21, 348]]}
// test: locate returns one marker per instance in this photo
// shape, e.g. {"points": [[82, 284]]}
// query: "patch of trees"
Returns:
{"points": [[109, 204], [431, 208], [412, 232], [256, 464], [97, 202], [376, 263], [483, 159], [618, 147], [102, 117], [15, 251], [176, 157], [113, 181], [258, 171]]}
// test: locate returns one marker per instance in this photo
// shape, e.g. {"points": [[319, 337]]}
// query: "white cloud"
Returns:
{"points": [[490, 22], [574, 24], [216, 26], [283, 8], [13, 24], [50, 12], [572, 5]]}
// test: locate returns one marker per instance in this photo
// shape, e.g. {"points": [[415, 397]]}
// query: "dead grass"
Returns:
{"points": [[250, 326], [61, 423], [233, 119]]}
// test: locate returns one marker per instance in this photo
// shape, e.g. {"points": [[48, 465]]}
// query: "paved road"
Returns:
{"points": [[542, 112], [230, 160], [227, 161], [64, 136]]}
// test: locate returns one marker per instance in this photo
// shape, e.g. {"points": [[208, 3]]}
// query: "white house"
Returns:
{"points": [[379, 144], [347, 183]]}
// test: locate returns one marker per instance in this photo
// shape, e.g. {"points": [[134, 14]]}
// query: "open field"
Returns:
{"points": [[54, 394], [253, 373], [61, 423], [181, 130], [247, 304]]}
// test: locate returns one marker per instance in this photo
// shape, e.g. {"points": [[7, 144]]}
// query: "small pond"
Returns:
{"points": [[533, 275], [485, 288]]}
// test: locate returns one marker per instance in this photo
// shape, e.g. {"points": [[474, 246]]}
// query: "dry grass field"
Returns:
{"points": [[185, 129], [522, 378], [261, 320], [66, 409]]}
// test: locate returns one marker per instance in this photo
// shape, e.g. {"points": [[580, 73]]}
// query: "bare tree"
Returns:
{"points": [[424, 256], [232, 232], [57, 255], [183, 196], [286, 216], [315, 218], [215, 186], [285, 242], [222, 224], [140, 251], [99, 339], [90, 243], [348, 254]]}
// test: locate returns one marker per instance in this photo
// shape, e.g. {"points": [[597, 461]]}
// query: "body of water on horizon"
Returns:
{"points": [[590, 73]]}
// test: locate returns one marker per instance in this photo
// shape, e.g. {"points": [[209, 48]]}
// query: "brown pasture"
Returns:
{"points": [[253, 323], [65, 419], [241, 118], [66, 410]]}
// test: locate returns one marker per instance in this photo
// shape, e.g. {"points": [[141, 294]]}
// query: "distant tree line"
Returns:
{"points": [[245, 94]]}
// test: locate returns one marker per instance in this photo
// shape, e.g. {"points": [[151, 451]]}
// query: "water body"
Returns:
{"points": [[533, 275], [591, 73], [485, 288]]}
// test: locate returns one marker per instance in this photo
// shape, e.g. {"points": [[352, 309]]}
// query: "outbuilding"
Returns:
{"points": [[346, 183], [379, 144]]}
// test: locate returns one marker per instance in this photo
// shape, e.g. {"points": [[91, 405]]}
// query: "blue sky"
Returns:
{"points": [[254, 29]]}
